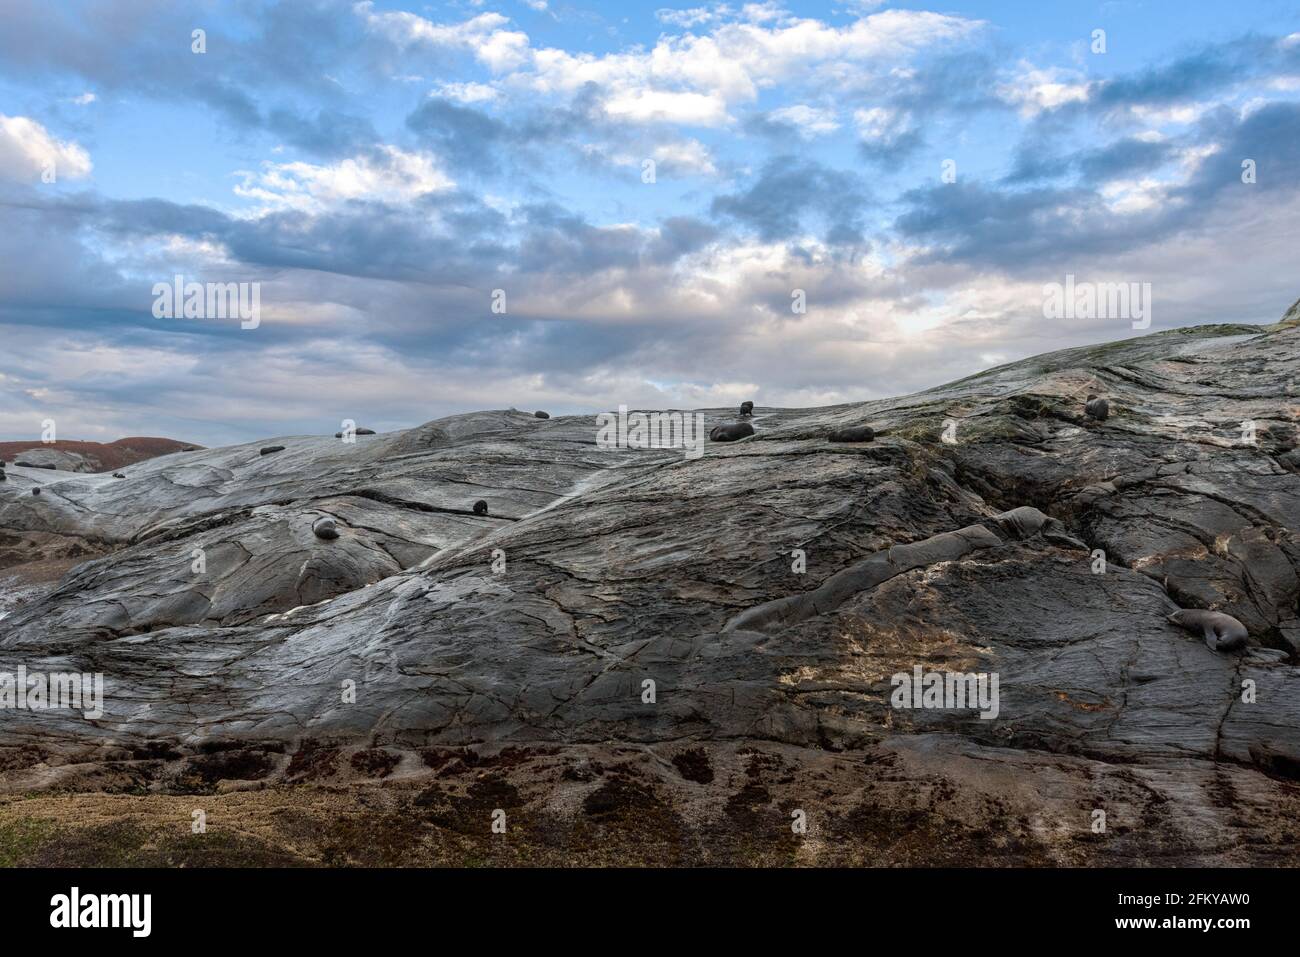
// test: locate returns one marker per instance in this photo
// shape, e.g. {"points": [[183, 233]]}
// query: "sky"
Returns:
{"points": [[574, 206]]}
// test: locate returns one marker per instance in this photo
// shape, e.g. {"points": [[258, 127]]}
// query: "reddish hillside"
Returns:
{"points": [[99, 456]]}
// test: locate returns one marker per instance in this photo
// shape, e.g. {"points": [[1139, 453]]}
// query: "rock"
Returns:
{"points": [[1043, 553], [269, 449], [854, 433], [77, 456], [35, 465], [730, 432], [325, 528]]}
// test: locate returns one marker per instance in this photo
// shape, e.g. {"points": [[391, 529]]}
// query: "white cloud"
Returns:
{"points": [[390, 174], [498, 48], [1035, 91], [686, 78], [881, 124], [467, 92], [660, 105], [689, 157], [85, 99], [29, 152], [809, 121]]}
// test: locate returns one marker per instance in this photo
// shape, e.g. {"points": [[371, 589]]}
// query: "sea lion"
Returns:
{"points": [[267, 450], [480, 507], [1222, 632], [35, 465], [1098, 409], [854, 433], [118, 475], [746, 408], [539, 414], [339, 435], [730, 432], [36, 491], [325, 528]]}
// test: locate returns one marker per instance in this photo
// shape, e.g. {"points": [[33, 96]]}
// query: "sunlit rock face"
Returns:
{"points": [[760, 598]]}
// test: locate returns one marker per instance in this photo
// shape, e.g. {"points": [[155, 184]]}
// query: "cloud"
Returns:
{"points": [[28, 152], [387, 174], [808, 122], [685, 78], [790, 193], [466, 92]]}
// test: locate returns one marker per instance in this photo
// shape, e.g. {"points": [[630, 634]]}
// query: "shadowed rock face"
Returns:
{"points": [[595, 571]]}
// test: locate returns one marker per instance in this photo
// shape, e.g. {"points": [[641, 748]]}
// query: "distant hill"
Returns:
{"points": [[71, 456]]}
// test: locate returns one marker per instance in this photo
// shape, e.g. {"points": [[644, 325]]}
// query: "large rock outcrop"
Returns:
{"points": [[991, 527]]}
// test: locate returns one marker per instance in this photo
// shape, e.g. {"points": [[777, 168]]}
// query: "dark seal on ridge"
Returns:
{"points": [[1098, 409], [267, 450], [539, 414], [1221, 632], [480, 507], [730, 432], [746, 408], [325, 528], [854, 433]]}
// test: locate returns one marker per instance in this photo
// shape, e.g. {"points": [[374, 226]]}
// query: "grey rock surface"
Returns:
{"points": [[1040, 545]]}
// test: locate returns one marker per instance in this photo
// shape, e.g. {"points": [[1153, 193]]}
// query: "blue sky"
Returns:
{"points": [[380, 169]]}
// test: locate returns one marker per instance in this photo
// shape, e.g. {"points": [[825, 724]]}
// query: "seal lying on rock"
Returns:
{"points": [[36, 491], [325, 528], [854, 433], [267, 450], [339, 435], [746, 408], [1222, 632], [730, 432], [480, 507], [34, 465], [1096, 408], [118, 475], [539, 414]]}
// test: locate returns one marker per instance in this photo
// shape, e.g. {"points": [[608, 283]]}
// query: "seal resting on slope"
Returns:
{"points": [[1096, 408], [854, 433], [539, 414], [730, 432], [325, 528], [267, 450], [480, 507], [1222, 632]]}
